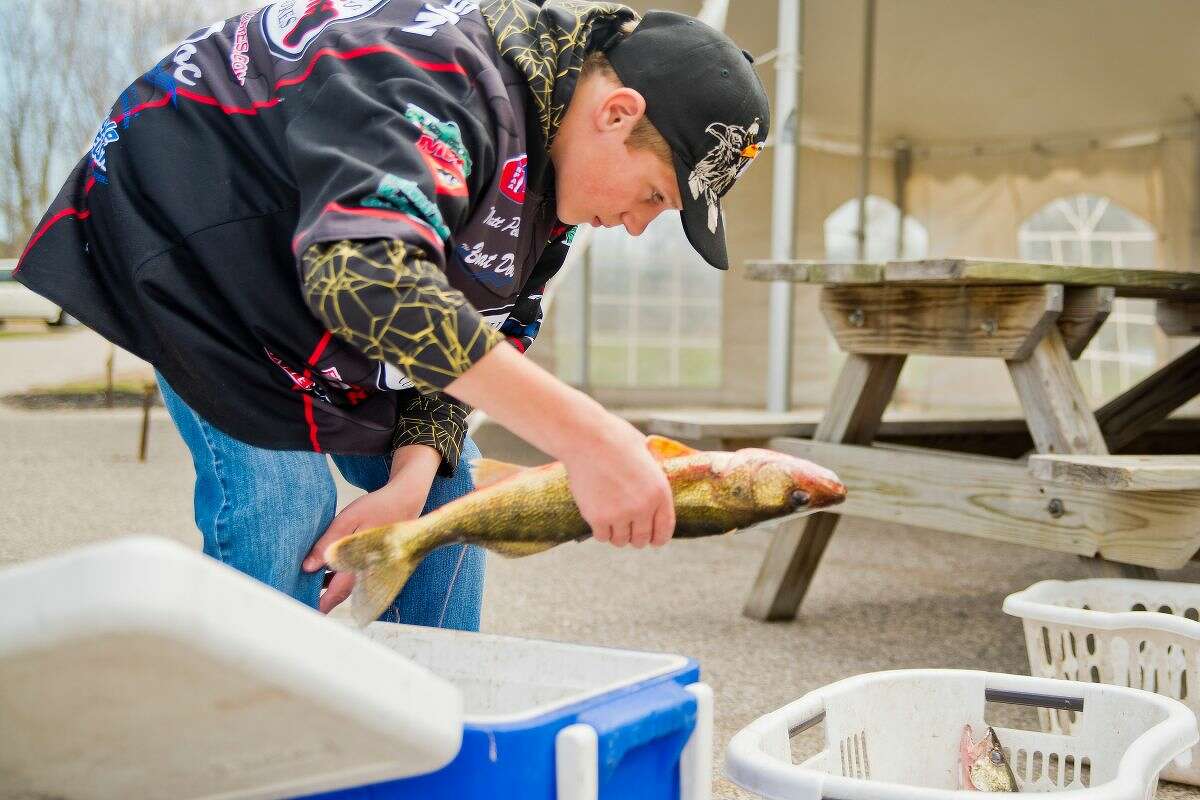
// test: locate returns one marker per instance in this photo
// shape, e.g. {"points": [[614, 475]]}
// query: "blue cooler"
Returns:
{"points": [[546, 720]]}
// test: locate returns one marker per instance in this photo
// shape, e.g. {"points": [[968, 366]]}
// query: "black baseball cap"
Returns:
{"points": [[703, 96]]}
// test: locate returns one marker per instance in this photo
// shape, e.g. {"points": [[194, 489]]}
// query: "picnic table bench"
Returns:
{"points": [[1127, 515]]}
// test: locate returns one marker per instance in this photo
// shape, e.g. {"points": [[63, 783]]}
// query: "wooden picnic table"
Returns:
{"points": [[1127, 515]]}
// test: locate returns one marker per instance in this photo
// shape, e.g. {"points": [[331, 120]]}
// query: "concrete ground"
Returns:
{"points": [[885, 597]]}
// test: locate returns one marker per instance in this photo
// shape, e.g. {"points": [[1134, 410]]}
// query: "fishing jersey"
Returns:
{"points": [[180, 235]]}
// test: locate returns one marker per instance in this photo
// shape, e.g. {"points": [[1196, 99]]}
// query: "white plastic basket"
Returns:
{"points": [[1143, 634], [895, 736]]}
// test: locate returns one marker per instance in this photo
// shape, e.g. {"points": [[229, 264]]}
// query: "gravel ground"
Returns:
{"points": [[885, 597]]}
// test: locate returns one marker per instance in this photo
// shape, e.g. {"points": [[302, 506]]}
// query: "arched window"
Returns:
{"points": [[654, 309], [1092, 230], [883, 218]]}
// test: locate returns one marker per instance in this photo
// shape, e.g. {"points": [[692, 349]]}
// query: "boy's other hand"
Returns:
{"points": [[401, 498], [620, 488]]}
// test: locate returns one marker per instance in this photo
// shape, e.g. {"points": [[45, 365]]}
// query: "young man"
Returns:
{"points": [[328, 226]]}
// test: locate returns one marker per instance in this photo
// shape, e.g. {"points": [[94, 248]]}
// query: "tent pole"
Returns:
{"points": [[1194, 255], [902, 170], [788, 65], [864, 176]]}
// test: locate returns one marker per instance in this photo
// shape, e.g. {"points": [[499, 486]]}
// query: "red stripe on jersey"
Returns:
{"points": [[320, 348], [312, 423], [308, 403], [229, 110], [420, 226], [66, 212], [428, 66]]}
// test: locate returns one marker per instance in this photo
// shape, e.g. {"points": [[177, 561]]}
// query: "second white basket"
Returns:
{"points": [[1142, 634], [895, 736]]}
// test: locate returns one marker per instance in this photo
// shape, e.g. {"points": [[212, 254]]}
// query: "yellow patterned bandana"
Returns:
{"points": [[547, 45]]}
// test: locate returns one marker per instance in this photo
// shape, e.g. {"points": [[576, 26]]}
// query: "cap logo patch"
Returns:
{"points": [[723, 164]]}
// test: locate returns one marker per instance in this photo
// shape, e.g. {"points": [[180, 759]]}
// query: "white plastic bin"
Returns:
{"points": [[139, 668], [1144, 634], [895, 736]]}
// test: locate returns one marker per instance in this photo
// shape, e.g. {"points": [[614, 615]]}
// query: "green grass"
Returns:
{"points": [[30, 332], [123, 384]]}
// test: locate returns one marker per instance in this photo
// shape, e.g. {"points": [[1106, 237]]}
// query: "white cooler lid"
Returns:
{"points": [[140, 668]]}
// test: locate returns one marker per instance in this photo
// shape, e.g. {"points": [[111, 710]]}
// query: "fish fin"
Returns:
{"points": [[380, 572], [663, 448], [518, 549], [488, 471]]}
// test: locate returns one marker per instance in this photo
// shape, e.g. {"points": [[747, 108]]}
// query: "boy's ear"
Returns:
{"points": [[620, 108]]}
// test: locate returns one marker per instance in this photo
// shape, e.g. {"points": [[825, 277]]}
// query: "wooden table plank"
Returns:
{"points": [[1127, 282], [814, 272], [1119, 473], [998, 499], [979, 321]]}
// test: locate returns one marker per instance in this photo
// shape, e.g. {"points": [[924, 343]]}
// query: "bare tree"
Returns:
{"points": [[63, 64]]}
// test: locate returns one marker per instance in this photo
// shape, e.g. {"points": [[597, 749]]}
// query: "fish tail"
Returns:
{"points": [[382, 559]]}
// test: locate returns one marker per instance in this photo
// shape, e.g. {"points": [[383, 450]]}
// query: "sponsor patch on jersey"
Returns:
{"points": [[390, 378], [446, 178], [289, 26], [403, 195], [239, 54], [512, 178], [444, 133], [99, 152], [302, 383], [433, 16], [440, 151]]}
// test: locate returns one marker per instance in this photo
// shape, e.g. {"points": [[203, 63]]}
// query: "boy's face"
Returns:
{"points": [[600, 181]]}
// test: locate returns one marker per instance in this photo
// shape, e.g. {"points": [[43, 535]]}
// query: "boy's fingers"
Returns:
{"points": [[664, 525], [643, 532], [339, 589], [342, 526]]}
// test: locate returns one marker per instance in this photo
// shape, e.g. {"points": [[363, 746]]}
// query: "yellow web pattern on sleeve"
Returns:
{"points": [[538, 46], [433, 421], [428, 329]]}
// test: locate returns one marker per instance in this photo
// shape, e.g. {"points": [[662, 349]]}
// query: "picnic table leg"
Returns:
{"points": [[863, 391], [1143, 406], [1061, 421]]}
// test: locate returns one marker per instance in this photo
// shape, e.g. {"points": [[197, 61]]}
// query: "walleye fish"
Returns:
{"points": [[518, 511], [984, 767]]}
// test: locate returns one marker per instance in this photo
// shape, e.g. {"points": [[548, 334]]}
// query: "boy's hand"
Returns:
{"points": [[413, 469], [620, 489]]}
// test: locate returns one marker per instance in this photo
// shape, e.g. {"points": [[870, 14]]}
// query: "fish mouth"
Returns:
{"points": [[822, 495]]}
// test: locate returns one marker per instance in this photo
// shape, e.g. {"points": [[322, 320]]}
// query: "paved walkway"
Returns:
{"points": [[886, 596], [59, 356]]}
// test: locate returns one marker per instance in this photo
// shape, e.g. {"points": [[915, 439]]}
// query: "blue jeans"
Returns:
{"points": [[260, 511]]}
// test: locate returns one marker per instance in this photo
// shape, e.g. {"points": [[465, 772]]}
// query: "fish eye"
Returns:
{"points": [[996, 757], [799, 499]]}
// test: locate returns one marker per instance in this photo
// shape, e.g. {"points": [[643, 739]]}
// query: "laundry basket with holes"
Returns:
{"points": [[895, 736], [1144, 634]]}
